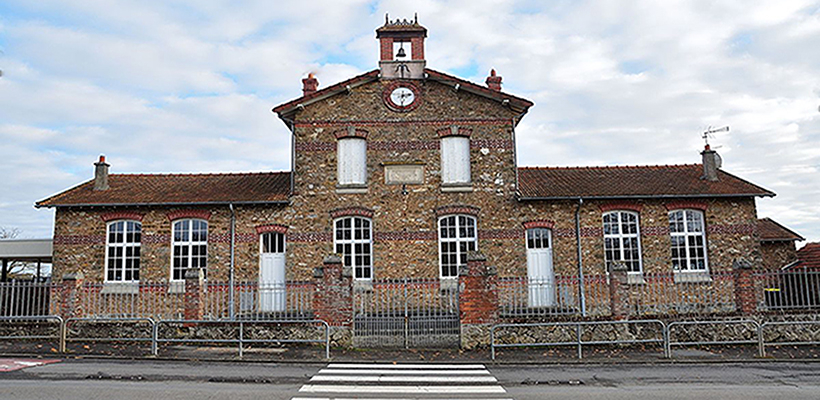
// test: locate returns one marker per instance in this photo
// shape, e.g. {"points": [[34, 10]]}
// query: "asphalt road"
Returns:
{"points": [[88, 379]]}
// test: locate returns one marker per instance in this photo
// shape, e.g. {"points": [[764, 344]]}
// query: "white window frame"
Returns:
{"points": [[189, 244], [461, 254], [622, 237], [273, 244], [455, 160], [358, 270], [124, 245], [687, 247], [351, 161]]}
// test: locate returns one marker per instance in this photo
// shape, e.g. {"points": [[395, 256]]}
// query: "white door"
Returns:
{"points": [[541, 278], [272, 295]]}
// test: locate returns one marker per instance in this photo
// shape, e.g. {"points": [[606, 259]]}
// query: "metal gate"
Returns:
{"points": [[406, 313]]}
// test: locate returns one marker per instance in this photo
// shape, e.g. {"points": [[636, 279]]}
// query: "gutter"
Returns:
{"points": [[203, 203], [580, 258], [646, 196]]}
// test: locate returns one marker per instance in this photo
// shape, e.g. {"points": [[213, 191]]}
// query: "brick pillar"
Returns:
{"points": [[744, 288], [194, 288], [333, 302], [478, 300], [618, 291], [70, 302]]}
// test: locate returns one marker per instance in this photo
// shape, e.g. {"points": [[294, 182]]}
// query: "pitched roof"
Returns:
{"points": [[287, 108], [808, 257], [770, 230], [630, 182], [164, 189]]}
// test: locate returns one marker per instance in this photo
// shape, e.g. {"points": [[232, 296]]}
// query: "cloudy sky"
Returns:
{"points": [[187, 85]]}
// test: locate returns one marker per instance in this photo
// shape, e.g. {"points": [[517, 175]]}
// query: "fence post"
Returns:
{"points": [[194, 302], [333, 302], [745, 300], [618, 291], [478, 300], [70, 296]]}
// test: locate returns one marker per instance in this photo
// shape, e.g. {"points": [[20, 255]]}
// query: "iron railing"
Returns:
{"points": [[25, 298], [682, 293], [260, 301], [787, 290], [526, 297]]}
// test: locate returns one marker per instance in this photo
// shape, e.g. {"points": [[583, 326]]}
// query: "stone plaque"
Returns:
{"points": [[404, 174]]}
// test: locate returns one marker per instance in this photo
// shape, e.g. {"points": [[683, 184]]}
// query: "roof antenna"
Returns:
{"points": [[709, 133]]}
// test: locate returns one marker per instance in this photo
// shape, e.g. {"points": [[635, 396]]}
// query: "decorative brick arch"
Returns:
{"points": [[350, 132], [680, 205], [121, 215], [278, 228], [543, 223], [621, 206], [454, 131], [351, 212], [195, 214], [457, 209]]}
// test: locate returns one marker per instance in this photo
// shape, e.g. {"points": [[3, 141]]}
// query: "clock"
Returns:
{"points": [[401, 96]]}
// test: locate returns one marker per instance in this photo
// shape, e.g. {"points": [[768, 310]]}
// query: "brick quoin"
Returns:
{"points": [[744, 288], [478, 300], [333, 300]]}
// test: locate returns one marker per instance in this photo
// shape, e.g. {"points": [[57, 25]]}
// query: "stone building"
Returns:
{"points": [[778, 244], [403, 171]]}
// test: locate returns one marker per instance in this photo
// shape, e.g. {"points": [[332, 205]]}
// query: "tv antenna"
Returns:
{"points": [[709, 133]]}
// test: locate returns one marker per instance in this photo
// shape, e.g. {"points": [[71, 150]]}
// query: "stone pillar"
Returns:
{"points": [[70, 302], [478, 300], [333, 301], [618, 291], [194, 287], [744, 288]]}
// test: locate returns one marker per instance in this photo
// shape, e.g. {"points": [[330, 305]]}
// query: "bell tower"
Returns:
{"points": [[401, 44]]}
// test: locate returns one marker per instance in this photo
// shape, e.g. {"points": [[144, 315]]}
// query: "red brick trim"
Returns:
{"points": [[542, 223], [196, 214], [679, 205], [421, 122], [732, 229], [350, 132], [654, 230], [117, 215], [621, 206], [406, 145], [278, 228], [310, 237], [78, 239], [457, 209], [454, 130], [156, 238], [351, 211], [402, 235], [388, 90], [500, 234]]}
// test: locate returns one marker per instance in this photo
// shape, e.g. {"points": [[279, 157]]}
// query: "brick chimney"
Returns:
{"points": [[711, 163], [309, 84], [493, 81], [101, 174]]}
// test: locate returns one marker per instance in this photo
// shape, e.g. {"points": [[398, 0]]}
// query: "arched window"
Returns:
{"points": [[122, 257], [622, 240], [457, 236], [688, 235], [190, 247], [353, 240]]}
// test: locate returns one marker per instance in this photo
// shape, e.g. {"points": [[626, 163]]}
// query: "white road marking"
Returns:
{"points": [[401, 389], [408, 366], [415, 379], [404, 372]]}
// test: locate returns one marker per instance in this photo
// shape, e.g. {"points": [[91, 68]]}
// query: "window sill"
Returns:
{"points": [[362, 285], [456, 187], [692, 277], [120, 288], [351, 189], [448, 283], [176, 287], [635, 279]]}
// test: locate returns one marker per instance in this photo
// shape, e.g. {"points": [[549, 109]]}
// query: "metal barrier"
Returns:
{"points": [[241, 340], [58, 319], [579, 342], [68, 321], [763, 343], [669, 343]]}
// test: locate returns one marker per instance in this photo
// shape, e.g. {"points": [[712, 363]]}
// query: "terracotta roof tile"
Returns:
{"points": [[770, 230], [630, 181], [809, 256], [143, 189]]}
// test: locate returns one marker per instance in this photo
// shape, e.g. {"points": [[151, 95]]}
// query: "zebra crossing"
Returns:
{"points": [[401, 381]]}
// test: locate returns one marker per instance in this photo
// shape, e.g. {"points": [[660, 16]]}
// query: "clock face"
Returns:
{"points": [[402, 96]]}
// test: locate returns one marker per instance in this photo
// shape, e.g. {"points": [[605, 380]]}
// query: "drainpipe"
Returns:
{"points": [[232, 312], [580, 259]]}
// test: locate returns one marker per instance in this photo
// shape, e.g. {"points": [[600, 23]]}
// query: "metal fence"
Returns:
{"points": [[260, 301], [683, 293], [406, 313], [787, 290], [522, 297], [25, 298]]}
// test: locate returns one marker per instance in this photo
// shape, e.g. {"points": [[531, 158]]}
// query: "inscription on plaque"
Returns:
{"points": [[404, 174]]}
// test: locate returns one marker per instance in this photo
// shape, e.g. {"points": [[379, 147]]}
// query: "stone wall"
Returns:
{"points": [[777, 254]]}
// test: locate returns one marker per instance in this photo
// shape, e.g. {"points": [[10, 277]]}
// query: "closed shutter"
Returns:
{"points": [[352, 161], [455, 159]]}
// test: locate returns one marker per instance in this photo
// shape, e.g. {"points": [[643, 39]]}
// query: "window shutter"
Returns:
{"points": [[455, 159], [352, 161]]}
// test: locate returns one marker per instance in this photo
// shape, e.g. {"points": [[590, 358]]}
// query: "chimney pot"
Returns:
{"points": [[494, 81], [101, 174], [309, 84]]}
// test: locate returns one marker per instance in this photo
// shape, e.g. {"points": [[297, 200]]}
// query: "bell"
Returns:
{"points": [[401, 53]]}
